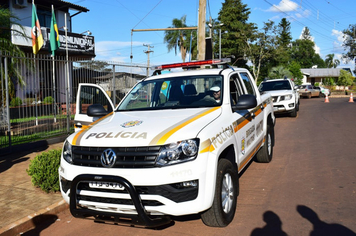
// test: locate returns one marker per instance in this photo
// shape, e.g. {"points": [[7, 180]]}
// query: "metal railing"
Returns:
{"points": [[37, 94]]}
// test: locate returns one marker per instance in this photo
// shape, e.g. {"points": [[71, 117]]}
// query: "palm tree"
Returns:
{"points": [[331, 62], [279, 72], [178, 38]]}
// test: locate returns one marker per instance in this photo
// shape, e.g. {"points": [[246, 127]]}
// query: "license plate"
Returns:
{"points": [[106, 185]]}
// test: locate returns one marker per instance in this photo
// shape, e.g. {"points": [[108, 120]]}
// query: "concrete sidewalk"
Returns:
{"points": [[22, 205]]}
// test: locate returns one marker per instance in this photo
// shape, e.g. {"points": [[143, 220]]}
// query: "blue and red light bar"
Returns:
{"points": [[192, 64]]}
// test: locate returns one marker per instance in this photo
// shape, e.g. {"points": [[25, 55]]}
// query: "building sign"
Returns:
{"points": [[82, 44], [77, 44]]}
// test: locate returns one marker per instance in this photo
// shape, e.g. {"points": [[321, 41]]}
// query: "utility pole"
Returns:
{"points": [[148, 57], [201, 29]]}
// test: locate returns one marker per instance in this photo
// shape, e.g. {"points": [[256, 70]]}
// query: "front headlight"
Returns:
{"points": [[286, 97], [67, 152], [178, 152]]}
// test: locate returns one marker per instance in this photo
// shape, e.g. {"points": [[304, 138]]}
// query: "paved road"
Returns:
{"points": [[309, 188]]}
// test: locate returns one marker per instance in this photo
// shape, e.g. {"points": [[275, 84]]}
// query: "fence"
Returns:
{"points": [[38, 93]]}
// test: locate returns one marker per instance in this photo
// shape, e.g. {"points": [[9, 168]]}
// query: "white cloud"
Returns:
{"points": [[339, 35], [284, 6], [317, 49], [337, 45]]}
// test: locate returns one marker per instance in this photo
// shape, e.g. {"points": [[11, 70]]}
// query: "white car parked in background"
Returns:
{"points": [[284, 94], [324, 91]]}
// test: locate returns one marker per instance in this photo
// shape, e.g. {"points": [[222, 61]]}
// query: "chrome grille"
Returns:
{"points": [[127, 157], [275, 99]]}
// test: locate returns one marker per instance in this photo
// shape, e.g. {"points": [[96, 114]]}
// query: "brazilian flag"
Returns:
{"points": [[54, 35]]}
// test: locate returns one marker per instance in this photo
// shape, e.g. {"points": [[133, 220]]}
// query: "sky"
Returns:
{"points": [[111, 22]]}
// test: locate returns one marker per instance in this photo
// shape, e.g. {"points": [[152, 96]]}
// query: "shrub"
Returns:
{"points": [[15, 102], [43, 170], [28, 101], [48, 100]]}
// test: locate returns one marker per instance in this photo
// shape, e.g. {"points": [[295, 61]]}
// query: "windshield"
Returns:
{"points": [[275, 85], [175, 92]]}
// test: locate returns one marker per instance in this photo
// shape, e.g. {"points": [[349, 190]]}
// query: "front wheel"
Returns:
{"points": [[222, 212], [294, 112], [264, 155]]}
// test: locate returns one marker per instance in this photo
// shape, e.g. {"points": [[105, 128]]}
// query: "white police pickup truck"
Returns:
{"points": [[174, 146]]}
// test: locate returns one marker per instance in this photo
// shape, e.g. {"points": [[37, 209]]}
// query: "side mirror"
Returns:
{"points": [[96, 110], [246, 101]]}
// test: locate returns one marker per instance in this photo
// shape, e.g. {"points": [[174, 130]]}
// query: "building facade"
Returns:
{"points": [[48, 76]]}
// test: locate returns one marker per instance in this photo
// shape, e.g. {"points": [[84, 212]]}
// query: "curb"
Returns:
{"points": [[34, 219]]}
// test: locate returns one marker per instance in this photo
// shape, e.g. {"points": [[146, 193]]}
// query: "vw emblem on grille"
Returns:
{"points": [[108, 158]]}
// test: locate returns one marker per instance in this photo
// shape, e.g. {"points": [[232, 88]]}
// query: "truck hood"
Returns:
{"points": [[278, 92], [145, 128]]}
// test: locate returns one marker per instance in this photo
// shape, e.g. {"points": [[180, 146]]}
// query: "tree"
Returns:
{"points": [[279, 72], [100, 66], [179, 38], [234, 15], [345, 78], [306, 34], [330, 62], [8, 48], [303, 52], [297, 74], [259, 47], [283, 38], [284, 35], [349, 43]]}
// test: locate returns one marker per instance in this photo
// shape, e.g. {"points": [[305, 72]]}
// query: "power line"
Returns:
{"points": [[147, 13], [297, 21]]}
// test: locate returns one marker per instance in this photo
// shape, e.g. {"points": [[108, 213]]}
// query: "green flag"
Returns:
{"points": [[54, 36]]}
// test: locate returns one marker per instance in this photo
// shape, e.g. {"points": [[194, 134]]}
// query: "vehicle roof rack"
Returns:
{"points": [[190, 65]]}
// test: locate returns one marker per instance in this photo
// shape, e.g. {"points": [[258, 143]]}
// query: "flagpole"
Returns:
{"points": [[34, 59], [67, 68], [54, 81], [54, 90], [35, 81]]}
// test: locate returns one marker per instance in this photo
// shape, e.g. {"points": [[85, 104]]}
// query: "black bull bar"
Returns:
{"points": [[142, 218]]}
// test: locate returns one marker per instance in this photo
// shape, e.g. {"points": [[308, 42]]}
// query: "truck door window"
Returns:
{"points": [[91, 95], [247, 82], [235, 89]]}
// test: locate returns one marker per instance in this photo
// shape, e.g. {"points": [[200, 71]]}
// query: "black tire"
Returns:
{"points": [[264, 155], [222, 212], [297, 105], [294, 112]]}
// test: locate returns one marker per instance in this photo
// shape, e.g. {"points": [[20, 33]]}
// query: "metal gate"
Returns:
{"points": [[38, 93]]}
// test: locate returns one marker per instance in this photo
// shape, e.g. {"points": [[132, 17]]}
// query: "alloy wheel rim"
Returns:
{"points": [[269, 144], [227, 193]]}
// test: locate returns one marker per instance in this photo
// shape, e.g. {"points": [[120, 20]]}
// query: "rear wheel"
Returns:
{"points": [[223, 209], [265, 154]]}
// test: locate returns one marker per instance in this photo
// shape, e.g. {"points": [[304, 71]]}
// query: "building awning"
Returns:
{"points": [[322, 72], [61, 5]]}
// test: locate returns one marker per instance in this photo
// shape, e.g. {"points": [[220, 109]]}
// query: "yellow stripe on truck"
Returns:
{"points": [[163, 136], [79, 135]]}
